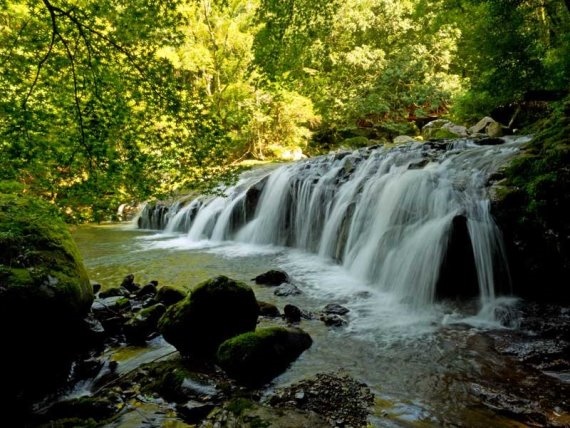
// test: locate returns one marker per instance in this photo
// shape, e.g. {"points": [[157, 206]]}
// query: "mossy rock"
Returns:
{"points": [[40, 266], [532, 207], [44, 293], [257, 357], [214, 311]]}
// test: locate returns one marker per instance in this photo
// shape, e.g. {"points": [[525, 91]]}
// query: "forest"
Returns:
{"points": [[344, 213], [113, 101]]}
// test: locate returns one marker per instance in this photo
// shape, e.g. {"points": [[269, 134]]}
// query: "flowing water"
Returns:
{"points": [[368, 230]]}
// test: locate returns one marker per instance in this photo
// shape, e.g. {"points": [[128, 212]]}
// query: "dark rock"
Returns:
{"points": [[168, 295], [257, 357], [287, 290], [93, 330], [129, 283], [114, 292], [96, 286], [44, 294], [86, 369], [333, 320], [143, 324], [272, 277], [292, 313], [194, 412], [335, 308], [212, 312], [418, 164], [458, 274], [268, 310], [148, 290], [490, 141], [113, 304]]}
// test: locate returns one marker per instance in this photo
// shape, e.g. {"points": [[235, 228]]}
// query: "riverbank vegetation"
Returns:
{"points": [[108, 102]]}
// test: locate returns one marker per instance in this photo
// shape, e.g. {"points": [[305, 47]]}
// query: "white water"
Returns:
{"points": [[384, 215]]}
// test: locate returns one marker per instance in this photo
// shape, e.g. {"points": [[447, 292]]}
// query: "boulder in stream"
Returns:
{"points": [[272, 277], [214, 311], [257, 357]]}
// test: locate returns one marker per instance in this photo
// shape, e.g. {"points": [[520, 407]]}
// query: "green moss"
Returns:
{"points": [[356, 142], [37, 247], [212, 312], [256, 357], [239, 405], [443, 134], [534, 208]]}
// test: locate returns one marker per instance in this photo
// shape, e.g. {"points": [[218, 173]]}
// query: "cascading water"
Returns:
{"points": [[413, 220]]}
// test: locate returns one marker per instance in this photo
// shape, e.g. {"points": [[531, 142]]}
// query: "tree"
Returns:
{"points": [[91, 114]]}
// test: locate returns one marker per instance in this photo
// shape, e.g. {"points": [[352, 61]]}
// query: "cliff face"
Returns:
{"points": [[532, 208]]}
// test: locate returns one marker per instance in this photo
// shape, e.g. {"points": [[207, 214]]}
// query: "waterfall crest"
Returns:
{"points": [[413, 220]]}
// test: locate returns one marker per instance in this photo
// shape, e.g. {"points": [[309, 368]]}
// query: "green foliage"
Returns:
{"points": [[105, 102]]}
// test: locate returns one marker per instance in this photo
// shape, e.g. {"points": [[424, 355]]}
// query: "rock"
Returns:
{"points": [[214, 311], [96, 286], [458, 274], [44, 295], [488, 126], [114, 292], [84, 408], [148, 290], [256, 357], [443, 129], [333, 320], [168, 295], [489, 141], [335, 308], [129, 283], [481, 126], [110, 304], [268, 310], [272, 277], [403, 139], [287, 290], [193, 412], [143, 324], [340, 399], [292, 313], [418, 164], [495, 130]]}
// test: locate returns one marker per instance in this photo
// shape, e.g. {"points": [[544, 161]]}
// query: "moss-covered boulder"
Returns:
{"points": [[257, 357], [214, 311], [44, 290]]}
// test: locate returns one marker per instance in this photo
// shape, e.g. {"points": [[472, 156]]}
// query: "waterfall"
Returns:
{"points": [[413, 220]]}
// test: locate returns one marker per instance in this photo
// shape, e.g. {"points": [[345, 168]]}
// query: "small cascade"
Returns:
{"points": [[413, 220]]}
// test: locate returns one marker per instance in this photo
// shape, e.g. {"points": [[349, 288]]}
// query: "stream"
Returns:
{"points": [[445, 364]]}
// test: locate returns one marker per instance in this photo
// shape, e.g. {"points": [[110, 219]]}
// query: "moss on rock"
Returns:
{"points": [[215, 310], [256, 357], [44, 292], [532, 207]]}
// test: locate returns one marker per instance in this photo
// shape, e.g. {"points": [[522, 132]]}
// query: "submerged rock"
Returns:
{"points": [[272, 277], [257, 357], [214, 311], [286, 290]]}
